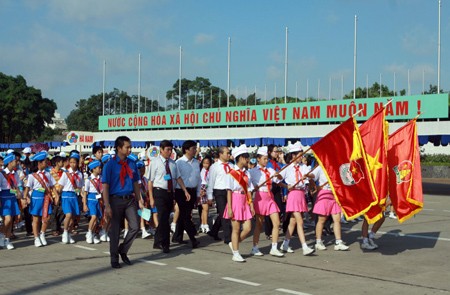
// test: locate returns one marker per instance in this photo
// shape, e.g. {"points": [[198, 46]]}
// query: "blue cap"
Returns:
{"points": [[140, 164], [2, 155], [253, 160], [8, 159], [74, 156], [23, 158], [39, 156], [94, 164], [132, 157], [106, 158]]}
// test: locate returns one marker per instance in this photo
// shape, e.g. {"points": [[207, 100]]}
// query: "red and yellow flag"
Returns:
{"points": [[341, 155], [374, 134], [405, 175]]}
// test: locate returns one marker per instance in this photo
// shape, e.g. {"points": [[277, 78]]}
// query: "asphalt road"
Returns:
{"points": [[413, 258]]}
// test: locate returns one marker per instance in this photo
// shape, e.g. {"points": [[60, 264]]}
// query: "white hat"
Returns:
{"points": [[296, 147], [112, 152], [9, 151], [262, 151], [62, 155], [242, 149], [141, 156], [26, 150]]}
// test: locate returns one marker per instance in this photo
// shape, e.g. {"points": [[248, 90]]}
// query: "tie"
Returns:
{"points": [[268, 179], [169, 181], [124, 170], [226, 167], [297, 174]]}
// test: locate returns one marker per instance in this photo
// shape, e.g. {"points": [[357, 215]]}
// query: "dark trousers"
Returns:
{"points": [[122, 208], [164, 205], [28, 219], [221, 204], [57, 218], [184, 222], [277, 195]]}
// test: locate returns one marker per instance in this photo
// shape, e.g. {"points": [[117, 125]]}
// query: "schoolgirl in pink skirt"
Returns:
{"points": [[264, 203], [239, 201]]}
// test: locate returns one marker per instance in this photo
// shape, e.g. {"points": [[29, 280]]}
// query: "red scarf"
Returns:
{"points": [[298, 174], [124, 171], [275, 165], [268, 178], [226, 168], [242, 178], [97, 184]]}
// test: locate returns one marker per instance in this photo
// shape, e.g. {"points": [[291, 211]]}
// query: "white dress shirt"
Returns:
{"points": [[157, 172], [218, 177], [319, 175], [67, 184], [259, 177], [289, 175], [234, 186], [34, 184]]}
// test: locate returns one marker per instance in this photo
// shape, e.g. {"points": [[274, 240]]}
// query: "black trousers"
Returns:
{"points": [[164, 205], [28, 219], [221, 204], [122, 208], [184, 222], [57, 217]]}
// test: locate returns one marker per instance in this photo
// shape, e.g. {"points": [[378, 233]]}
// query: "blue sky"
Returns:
{"points": [[59, 46]]}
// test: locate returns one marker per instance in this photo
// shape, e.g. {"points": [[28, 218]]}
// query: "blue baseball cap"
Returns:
{"points": [[140, 164], [106, 158], [94, 164], [132, 157], [39, 156], [8, 159], [74, 156]]}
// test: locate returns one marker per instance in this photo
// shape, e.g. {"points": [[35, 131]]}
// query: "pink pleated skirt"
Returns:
{"points": [[326, 204], [240, 208], [296, 201], [264, 204]]}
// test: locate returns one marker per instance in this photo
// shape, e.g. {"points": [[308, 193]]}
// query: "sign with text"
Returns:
{"points": [[80, 138], [401, 108]]}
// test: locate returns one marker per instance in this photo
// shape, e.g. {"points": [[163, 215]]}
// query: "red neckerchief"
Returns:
{"points": [[241, 177], [298, 174], [11, 179], [226, 168], [206, 174], [275, 165], [44, 183], [124, 171], [72, 177], [97, 184], [268, 178]]}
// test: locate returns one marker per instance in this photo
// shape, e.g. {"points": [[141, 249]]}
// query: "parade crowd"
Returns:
{"points": [[123, 195]]}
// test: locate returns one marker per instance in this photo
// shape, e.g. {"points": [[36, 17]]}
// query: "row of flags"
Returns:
{"points": [[364, 165]]}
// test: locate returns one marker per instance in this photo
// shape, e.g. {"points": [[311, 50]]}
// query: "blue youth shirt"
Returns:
{"points": [[111, 176]]}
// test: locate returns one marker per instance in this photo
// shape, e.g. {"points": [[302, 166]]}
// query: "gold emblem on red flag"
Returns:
{"points": [[403, 171]]}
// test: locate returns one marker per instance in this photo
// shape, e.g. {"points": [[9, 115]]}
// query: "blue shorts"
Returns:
{"points": [[70, 203], [9, 206], [37, 203], [154, 210], [93, 206]]}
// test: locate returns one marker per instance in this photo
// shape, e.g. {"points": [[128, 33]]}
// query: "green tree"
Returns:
{"points": [[374, 91], [23, 110]]}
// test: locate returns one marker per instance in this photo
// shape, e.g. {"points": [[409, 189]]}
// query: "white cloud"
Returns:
{"points": [[202, 38]]}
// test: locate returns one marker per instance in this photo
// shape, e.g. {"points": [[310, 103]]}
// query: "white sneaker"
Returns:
{"points": [[89, 238], [320, 246], [125, 232], [206, 228], [372, 243], [231, 246], [173, 227], [96, 240], [256, 252], [8, 245], [43, 239], [308, 251], [107, 238], [102, 234], [238, 258], [286, 248], [340, 247], [392, 215], [145, 234], [367, 246], [37, 242], [275, 252], [72, 241], [65, 238]]}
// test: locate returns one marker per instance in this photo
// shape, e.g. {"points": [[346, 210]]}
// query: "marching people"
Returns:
{"points": [[162, 176], [42, 186], [143, 184], [121, 196], [57, 216], [295, 178], [264, 203], [203, 202], [239, 207], [217, 187], [92, 194]]}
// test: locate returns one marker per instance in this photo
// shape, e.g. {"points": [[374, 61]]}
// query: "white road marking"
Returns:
{"points": [[404, 235], [107, 253], [194, 271], [152, 262], [241, 281], [85, 248], [291, 291]]}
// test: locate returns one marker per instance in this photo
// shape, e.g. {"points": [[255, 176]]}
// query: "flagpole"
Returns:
{"points": [[139, 85], [439, 50], [104, 79], [179, 80], [228, 72], [286, 67], [354, 60]]}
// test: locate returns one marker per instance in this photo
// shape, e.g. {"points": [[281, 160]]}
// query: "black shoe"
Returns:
{"points": [[195, 244], [156, 246], [115, 265], [125, 259], [166, 250]]}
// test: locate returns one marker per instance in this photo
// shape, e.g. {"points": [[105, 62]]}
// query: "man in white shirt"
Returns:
{"points": [[189, 169], [217, 187]]}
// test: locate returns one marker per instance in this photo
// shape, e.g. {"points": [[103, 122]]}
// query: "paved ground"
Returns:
{"points": [[413, 258]]}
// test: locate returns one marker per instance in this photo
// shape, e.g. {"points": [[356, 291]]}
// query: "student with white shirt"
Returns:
{"points": [[70, 183], [264, 203], [295, 176], [42, 186], [239, 200], [203, 202], [9, 195], [189, 169], [217, 188], [92, 194]]}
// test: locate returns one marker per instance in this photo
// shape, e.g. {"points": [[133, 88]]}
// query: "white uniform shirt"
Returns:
{"points": [[204, 178], [67, 184], [218, 177], [289, 175], [4, 184], [34, 184], [189, 172], [234, 186], [258, 177], [90, 188], [319, 175]]}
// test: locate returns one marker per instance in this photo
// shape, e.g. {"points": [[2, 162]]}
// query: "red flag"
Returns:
{"points": [[341, 155], [405, 176], [374, 135]]}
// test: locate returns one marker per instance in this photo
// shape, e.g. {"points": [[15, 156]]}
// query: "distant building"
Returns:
{"points": [[58, 122]]}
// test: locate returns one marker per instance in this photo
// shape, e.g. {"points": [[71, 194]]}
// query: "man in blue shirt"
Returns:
{"points": [[121, 195]]}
